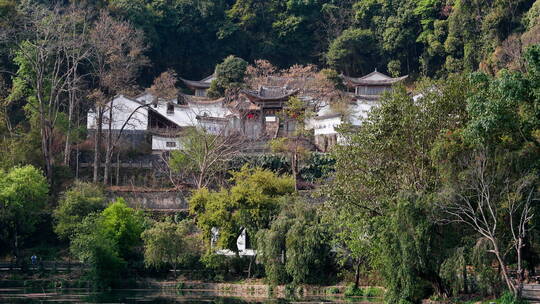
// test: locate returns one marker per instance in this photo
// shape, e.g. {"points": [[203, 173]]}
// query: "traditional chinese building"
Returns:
{"points": [[366, 93], [269, 103], [160, 122], [199, 87], [256, 114]]}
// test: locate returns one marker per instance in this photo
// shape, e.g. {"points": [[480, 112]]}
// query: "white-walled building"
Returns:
{"points": [[256, 114], [161, 119], [367, 92]]}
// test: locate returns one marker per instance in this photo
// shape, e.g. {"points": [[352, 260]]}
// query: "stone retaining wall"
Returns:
{"points": [[154, 200]]}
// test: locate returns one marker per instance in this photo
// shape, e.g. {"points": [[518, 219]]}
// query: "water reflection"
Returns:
{"points": [[21, 295]]}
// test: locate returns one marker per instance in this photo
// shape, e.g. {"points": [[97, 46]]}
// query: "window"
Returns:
{"points": [[171, 144], [170, 109], [200, 93]]}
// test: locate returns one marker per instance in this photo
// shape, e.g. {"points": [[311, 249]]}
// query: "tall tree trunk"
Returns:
{"points": [[294, 166], [436, 282], [16, 244], [67, 147], [249, 267], [118, 168], [502, 267], [465, 284], [357, 275], [46, 139], [109, 152], [97, 143], [519, 275]]}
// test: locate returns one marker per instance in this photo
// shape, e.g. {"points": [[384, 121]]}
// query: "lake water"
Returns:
{"points": [[21, 295]]}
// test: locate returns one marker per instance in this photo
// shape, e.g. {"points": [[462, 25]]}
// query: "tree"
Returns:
{"points": [[164, 86], [229, 77], [384, 175], [352, 241], [23, 195], [107, 240], [94, 247], [117, 56], [482, 197], [47, 61], [294, 146], [296, 247], [352, 52], [169, 243], [204, 156], [489, 171], [124, 225], [251, 203], [75, 204]]}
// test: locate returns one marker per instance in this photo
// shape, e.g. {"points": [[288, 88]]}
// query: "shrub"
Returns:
{"points": [[180, 285], [352, 291], [289, 290], [373, 292], [509, 298], [332, 290]]}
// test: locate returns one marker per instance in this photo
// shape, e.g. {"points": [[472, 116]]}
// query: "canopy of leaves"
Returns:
{"points": [[169, 243], [106, 241], [353, 52], [251, 203], [23, 197], [75, 204], [385, 162], [296, 247], [229, 75]]}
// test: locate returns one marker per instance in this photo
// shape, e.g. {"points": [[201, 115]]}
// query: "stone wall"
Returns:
{"points": [[153, 200]]}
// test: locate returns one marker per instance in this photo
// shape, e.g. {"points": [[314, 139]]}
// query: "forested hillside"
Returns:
{"points": [[427, 185], [426, 37]]}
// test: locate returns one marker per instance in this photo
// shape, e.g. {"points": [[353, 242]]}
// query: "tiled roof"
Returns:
{"points": [[374, 78], [201, 99], [270, 93], [201, 84]]}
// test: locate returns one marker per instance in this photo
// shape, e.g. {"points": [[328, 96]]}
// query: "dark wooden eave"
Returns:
{"points": [[271, 100], [201, 84], [384, 80]]}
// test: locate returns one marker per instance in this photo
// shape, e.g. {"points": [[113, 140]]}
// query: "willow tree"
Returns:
{"points": [[384, 175], [169, 243]]}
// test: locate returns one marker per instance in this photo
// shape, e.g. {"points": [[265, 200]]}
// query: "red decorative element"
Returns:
{"points": [[251, 116]]}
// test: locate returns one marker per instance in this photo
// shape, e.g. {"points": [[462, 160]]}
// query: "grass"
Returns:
{"points": [[368, 292]]}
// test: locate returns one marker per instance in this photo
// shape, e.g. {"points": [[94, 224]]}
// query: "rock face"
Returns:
{"points": [[153, 200]]}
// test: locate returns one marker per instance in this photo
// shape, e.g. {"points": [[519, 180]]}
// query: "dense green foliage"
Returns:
{"points": [[402, 37], [424, 198], [23, 196], [106, 241], [295, 248], [251, 203], [170, 243], [464, 151], [75, 204], [229, 76]]}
